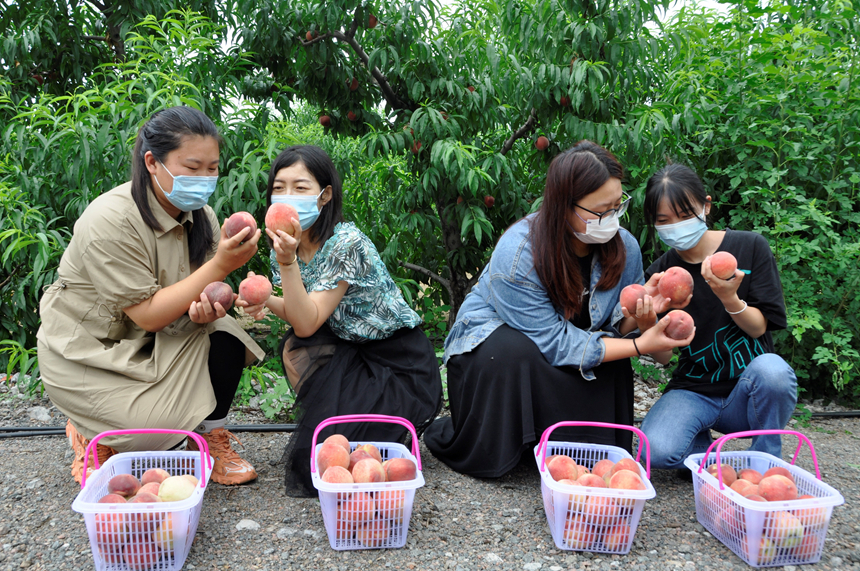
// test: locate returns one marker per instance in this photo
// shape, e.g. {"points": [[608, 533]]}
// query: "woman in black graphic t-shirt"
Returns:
{"points": [[728, 378]]}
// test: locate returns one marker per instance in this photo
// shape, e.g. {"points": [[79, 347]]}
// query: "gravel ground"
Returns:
{"points": [[458, 522]]}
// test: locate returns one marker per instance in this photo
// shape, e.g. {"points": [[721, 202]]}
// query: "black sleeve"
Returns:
{"points": [[765, 288], [661, 264]]}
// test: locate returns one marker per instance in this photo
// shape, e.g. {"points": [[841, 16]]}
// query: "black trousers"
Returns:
{"points": [[226, 362]]}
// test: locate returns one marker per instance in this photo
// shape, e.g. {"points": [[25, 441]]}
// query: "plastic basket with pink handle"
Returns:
{"points": [[585, 518], [140, 536], [763, 533], [368, 515]]}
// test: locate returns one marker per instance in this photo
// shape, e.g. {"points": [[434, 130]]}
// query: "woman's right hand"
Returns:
{"points": [[286, 246], [655, 340], [662, 304], [235, 252]]}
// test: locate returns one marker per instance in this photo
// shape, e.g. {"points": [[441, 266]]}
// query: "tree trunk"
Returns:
{"points": [[459, 283]]}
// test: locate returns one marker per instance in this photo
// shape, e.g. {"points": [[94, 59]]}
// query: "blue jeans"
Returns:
{"points": [[679, 423]]}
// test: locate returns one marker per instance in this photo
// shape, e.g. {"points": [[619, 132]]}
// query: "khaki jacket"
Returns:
{"points": [[99, 367]]}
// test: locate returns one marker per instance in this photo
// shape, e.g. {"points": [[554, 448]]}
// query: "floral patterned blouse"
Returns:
{"points": [[373, 307]]}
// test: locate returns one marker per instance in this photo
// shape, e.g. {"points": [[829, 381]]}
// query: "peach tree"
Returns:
{"points": [[463, 92]]}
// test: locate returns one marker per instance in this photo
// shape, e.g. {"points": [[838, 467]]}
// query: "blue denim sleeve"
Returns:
{"points": [[525, 306], [633, 274]]}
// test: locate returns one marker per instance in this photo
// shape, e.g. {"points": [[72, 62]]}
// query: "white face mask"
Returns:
{"points": [[597, 232]]}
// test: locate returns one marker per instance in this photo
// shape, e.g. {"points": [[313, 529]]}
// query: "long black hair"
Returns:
{"points": [[322, 168], [162, 133], [575, 173], [678, 184]]}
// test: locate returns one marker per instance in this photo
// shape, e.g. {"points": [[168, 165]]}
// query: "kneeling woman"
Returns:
{"points": [[537, 339], [354, 346], [729, 378]]}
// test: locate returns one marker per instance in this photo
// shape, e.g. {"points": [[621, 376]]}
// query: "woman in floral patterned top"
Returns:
{"points": [[354, 347]]}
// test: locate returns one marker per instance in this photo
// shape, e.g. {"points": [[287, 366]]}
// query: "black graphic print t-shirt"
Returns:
{"points": [[721, 350]]}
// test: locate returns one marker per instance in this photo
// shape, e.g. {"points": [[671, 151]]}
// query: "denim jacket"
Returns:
{"points": [[510, 292]]}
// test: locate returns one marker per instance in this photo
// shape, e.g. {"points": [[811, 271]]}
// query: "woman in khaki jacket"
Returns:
{"points": [[128, 340]]}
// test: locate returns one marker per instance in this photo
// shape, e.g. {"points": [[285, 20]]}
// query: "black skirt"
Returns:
{"points": [[398, 376], [504, 394]]}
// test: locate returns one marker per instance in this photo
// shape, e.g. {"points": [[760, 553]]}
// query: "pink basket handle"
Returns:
{"points": [[205, 459], [725, 438], [365, 418], [542, 445]]}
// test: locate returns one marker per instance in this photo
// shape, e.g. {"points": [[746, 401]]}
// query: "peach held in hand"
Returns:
{"points": [[255, 289], [680, 324], [219, 292], [280, 217], [676, 284], [630, 295], [238, 222], [723, 265]]}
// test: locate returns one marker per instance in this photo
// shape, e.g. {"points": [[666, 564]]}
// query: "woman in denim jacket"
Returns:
{"points": [[541, 336]]}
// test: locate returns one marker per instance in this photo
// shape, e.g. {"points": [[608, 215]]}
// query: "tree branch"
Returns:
{"points": [[95, 38], [427, 273], [387, 91], [11, 275], [315, 40], [521, 132], [353, 28]]}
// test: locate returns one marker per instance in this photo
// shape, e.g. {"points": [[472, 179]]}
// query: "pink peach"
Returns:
{"points": [[219, 292], [279, 217], [238, 222], [255, 289], [630, 295], [724, 265], [676, 284]]}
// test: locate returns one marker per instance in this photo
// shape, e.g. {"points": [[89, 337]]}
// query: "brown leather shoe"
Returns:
{"points": [[228, 469]]}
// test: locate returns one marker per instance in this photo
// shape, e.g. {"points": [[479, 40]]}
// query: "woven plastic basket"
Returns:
{"points": [[136, 536], [599, 520], [368, 516], [762, 533]]}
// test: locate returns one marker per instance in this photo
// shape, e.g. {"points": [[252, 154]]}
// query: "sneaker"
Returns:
{"points": [[79, 445], [228, 469]]}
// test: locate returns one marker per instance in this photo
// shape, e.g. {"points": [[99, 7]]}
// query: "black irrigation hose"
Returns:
{"points": [[25, 431]]}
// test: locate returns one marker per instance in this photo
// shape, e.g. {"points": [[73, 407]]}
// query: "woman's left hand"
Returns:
{"points": [[203, 312], [255, 311], [723, 289], [645, 315]]}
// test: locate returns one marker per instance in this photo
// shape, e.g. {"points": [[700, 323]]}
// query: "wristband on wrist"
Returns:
{"points": [[636, 347], [295, 257], [741, 310]]}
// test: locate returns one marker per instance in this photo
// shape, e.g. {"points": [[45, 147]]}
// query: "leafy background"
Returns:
{"points": [[433, 112]]}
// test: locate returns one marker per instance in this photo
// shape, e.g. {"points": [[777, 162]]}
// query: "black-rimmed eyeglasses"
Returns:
{"points": [[601, 215]]}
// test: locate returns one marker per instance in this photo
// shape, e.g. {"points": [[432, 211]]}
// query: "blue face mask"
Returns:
{"points": [[683, 235], [189, 192], [306, 206]]}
